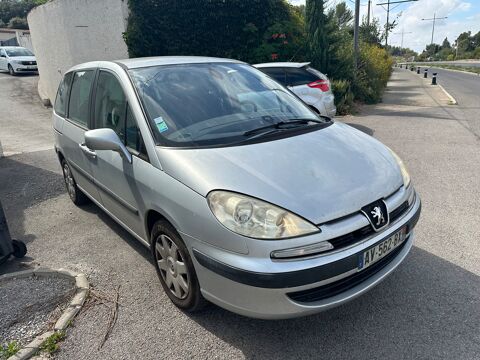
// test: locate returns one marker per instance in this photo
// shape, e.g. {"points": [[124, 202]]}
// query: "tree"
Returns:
{"points": [[370, 33], [316, 22], [18, 23], [446, 44], [343, 15]]}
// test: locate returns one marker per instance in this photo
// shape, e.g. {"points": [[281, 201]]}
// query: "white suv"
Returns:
{"points": [[308, 84]]}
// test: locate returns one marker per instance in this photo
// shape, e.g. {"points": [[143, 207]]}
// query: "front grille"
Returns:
{"points": [[29, 63], [366, 231], [337, 287]]}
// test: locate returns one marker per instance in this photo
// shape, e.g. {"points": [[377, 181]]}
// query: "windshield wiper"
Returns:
{"points": [[281, 125]]}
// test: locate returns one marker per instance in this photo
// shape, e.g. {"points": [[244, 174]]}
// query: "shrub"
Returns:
{"points": [[343, 96], [374, 70], [248, 30]]}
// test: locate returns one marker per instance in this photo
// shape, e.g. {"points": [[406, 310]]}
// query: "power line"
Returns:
{"points": [[433, 26], [388, 3], [403, 33]]}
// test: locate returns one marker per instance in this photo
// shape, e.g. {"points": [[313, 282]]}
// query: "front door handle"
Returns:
{"points": [[90, 153]]}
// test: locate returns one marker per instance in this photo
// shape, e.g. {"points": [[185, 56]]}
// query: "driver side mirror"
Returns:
{"points": [[106, 139], [2, 55]]}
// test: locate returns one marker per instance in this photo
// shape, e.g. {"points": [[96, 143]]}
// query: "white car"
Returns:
{"points": [[308, 84], [16, 59]]}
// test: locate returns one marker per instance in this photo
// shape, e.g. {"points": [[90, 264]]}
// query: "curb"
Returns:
{"points": [[82, 287], [452, 99]]}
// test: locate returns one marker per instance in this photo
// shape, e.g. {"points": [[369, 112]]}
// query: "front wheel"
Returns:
{"points": [[11, 71], [175, 268]]}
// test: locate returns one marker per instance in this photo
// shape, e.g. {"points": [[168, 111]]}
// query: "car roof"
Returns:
{"points": [[170, 60], [136, 63], [282, 64]]}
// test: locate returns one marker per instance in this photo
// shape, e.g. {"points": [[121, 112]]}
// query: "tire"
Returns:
{"points": [[11, 71], [75, 194], [19, 248], [175, 268]]}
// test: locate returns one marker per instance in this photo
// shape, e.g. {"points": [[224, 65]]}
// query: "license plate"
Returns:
{"points": [[31, 67], [382, 249]]}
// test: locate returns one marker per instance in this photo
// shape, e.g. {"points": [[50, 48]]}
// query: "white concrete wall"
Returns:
{"points": [[69, 32], [24, 39]]}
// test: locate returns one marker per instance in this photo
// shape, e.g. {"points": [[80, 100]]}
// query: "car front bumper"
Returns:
{"points": [[295, 293], [24, 68]]}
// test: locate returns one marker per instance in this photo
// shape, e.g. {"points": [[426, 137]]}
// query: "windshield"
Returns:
{"points": [[214, 103], [18, 52]]}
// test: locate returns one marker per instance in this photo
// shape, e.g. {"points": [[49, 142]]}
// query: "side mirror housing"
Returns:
{"points": [[106, 139]]}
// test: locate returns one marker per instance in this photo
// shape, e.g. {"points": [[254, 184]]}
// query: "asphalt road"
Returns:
{"points": [[465, 88], [429, 308]]}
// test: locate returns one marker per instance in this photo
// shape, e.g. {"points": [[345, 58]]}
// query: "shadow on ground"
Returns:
{"points": [[429, 308], [25, 183]]}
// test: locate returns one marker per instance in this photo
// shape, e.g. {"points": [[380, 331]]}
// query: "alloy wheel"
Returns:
{"points": [[172, 266]]}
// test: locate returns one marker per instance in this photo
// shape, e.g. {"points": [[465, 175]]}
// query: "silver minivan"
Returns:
{"points": [[245, 196]]}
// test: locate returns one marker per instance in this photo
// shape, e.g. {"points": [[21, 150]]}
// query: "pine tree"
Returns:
{"points": [[317, 20]]}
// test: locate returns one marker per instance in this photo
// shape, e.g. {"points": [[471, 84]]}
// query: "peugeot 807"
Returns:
{"points": [[245, 196]]}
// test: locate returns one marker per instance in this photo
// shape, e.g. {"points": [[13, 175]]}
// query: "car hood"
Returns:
{"points": [[319, 175], [23, 58]]}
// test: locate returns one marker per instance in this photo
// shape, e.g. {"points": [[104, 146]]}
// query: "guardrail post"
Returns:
{"points": [[425, 73], [412, 68], [434, 79], [418, 69]]}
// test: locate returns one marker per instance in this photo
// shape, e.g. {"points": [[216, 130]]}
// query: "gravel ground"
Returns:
{"points": [[30, 305]]}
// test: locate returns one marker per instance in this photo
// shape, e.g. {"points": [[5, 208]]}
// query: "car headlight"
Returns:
{"points": [[255, 218], [403, 169]]}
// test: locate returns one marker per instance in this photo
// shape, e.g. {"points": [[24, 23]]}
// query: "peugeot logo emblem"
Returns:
{"points": [[378, 214]]}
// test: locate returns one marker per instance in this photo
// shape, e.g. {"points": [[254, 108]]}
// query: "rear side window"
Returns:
{"points": [[300, 76], [276, 73], [62, 93], [78, 107]]}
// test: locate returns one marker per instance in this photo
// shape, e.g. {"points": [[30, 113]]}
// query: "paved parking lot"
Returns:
{"points": [[429, 308]]}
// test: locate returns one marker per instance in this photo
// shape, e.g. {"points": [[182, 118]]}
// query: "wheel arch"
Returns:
{"points": [[151, 217]]}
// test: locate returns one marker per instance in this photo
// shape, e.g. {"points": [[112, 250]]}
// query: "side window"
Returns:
{"points": [[276, 73], [78, 106], [61, 99], [299, 77], [110, 103], [133, 138]]}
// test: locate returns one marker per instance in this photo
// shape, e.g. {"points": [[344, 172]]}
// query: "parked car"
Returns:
{"points": [[244, 195], [16, 59], [308, 84]]}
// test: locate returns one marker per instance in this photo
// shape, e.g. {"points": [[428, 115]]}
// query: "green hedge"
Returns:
{"points": [[240, 29]]}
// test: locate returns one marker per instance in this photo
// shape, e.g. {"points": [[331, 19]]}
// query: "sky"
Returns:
{"points": [[463, 15]]}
